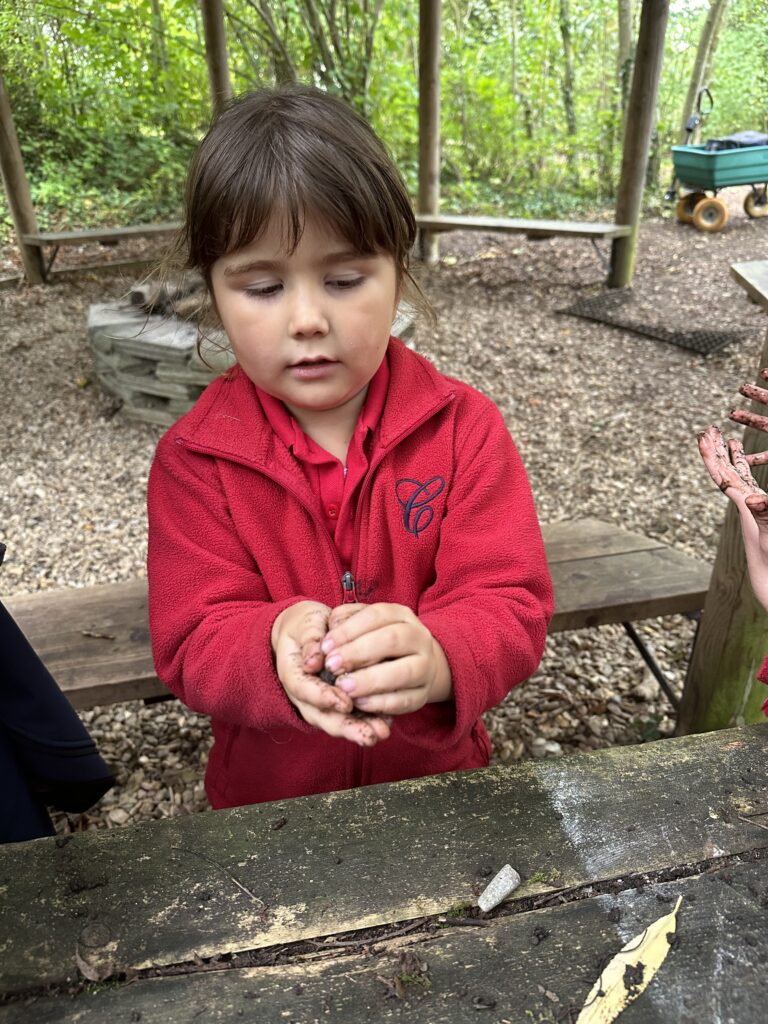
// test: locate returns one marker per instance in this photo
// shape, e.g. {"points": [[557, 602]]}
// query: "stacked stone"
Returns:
{"points": [[152, 364]]}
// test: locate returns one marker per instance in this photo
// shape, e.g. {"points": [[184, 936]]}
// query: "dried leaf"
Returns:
{"points": [[629, 973]]}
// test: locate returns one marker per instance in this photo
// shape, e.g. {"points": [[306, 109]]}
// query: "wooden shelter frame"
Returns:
{"points": [[636, 146]]}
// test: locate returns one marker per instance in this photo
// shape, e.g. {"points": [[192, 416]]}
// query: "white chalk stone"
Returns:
{"points": [[499, 887]]}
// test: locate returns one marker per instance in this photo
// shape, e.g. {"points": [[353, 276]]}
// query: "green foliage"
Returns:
{"points": [[109, 98]]}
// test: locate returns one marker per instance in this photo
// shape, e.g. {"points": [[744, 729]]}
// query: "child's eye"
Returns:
{"points": [[263, 290], [344, 283]]}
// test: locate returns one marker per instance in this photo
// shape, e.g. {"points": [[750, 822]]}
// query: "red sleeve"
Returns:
{"points": [[762, 675], [492, 599], [209, 612]]}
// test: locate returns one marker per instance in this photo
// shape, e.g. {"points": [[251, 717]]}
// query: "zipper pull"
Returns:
{"points": [[348, 586]]}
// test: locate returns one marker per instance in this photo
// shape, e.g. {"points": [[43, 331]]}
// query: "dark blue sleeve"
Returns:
{"points": [[55, 755]]}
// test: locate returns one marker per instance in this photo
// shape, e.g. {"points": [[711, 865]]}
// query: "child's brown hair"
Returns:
{"points": [[286, 153]]}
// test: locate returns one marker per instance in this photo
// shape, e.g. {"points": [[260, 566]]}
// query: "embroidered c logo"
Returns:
{"points": [[415, 499]]}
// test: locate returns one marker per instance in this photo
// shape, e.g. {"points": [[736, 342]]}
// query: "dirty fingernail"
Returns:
{"points": [[333, 663], [346, 683]]}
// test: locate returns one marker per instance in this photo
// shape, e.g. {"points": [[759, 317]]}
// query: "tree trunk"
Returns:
{"points": [[159, 52], [624, 56], [17, 191], [641, 113], [216, 54], [709, 32], [709, 60], [429, 121], [567, 84]]}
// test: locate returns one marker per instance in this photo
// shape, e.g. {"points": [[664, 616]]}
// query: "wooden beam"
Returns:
{"points": [[429, 122], [721, 688], [641, 114], [216, 53], [17, 190]]}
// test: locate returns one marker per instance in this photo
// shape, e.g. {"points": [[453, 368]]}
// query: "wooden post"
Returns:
{"points": [[638, 129], [216, 53], [429, 122], [17, 191], [720, 687]]}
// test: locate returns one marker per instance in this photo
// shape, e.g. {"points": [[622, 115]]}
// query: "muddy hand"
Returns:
{"points": [[752, 419], [727, 464]]}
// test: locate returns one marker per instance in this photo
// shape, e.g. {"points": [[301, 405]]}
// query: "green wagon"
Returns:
{"points": [[703, 169]]}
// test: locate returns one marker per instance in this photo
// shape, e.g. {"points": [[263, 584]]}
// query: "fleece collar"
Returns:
{"points": [[229, 422]]}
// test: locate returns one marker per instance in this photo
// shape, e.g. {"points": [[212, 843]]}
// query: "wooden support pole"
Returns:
{"points": [[720, 687], [638, 129], [216, 53], [429, 122], [17, 191]]}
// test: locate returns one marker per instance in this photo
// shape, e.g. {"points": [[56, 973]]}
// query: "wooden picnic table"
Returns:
{"points": [[360, 906]]}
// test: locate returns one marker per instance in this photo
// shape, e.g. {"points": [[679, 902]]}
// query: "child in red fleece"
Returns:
{"points": [[334, 503], [731, 469]]}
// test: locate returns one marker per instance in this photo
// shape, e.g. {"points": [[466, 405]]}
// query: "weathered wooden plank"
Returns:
{"points": [[535, 966], [627, 587], [103, 235], [94, 640], [579, 229], [591, 538], [227, 881], [753, 278]]}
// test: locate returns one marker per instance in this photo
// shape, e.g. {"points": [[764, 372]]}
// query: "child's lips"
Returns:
{"points": [[313, 369]]}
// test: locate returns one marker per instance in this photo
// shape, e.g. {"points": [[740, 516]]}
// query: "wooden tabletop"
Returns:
{"points": [[361, 906], [753, 278]]}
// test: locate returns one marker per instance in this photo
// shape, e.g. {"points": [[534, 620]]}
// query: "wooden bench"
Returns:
{"points": [[426, 222], [362, 905], [95, 640], [103, 236], [530, 228]]}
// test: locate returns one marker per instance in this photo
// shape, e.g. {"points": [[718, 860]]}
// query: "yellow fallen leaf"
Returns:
{"points": [[629, 973]]}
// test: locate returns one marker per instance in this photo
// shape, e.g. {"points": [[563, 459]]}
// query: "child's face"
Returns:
{"points": [[310, 328]]}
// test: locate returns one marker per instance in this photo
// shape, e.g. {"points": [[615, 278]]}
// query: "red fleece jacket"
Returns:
{"points": [[762, 675], [445, 524]]}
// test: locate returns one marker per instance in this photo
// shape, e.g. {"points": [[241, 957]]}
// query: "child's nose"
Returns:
{"points": [[308, 317]]}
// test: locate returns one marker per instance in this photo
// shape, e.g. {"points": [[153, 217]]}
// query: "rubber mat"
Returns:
{"points": [[607, 308]]}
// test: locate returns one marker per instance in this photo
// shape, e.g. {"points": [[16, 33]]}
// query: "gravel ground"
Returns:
{"points": [[605, 420]]}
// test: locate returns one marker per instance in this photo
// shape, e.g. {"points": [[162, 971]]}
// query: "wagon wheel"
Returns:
{"points": [[756, 203], [710, 215], [687, 204]]}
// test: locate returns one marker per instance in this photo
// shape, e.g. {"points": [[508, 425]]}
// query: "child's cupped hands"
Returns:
{"points": [[385, 659], [296, 637]]}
